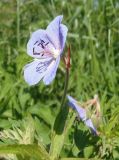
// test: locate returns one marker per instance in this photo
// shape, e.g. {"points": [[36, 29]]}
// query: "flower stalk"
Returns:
{"points": [[67, 65], [60, 122]]}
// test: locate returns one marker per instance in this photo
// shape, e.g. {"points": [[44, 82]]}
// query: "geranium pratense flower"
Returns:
{"points": [[82, 113], [46, 46]]}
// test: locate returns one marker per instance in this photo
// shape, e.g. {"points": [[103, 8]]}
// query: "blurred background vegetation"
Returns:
{"points": [[27, 113]]}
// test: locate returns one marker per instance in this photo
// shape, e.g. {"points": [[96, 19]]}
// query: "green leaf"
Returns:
{"points": [[34, 151], [61, 132], [43, 112], [88, 151], [79, 159], [75, 150], [43, 132]]}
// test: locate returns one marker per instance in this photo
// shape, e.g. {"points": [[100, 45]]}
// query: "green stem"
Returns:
{"points": [[59, 125], [65, 87]]}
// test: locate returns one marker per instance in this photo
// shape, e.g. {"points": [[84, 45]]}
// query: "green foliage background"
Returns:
{"points": [[27, 113]]}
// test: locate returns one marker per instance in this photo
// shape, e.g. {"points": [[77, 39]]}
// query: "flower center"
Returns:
{"points": [[55, 53]]}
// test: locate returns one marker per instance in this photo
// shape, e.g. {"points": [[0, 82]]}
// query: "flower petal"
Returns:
{"points": [[81, 111], [63, 35], [39, 46], [35, 71], [82, 114], [89, 123], [53, 32], [51, 73]]}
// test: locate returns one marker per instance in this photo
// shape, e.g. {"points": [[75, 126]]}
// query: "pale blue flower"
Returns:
{"points": [[82, 113], [46, 47]]}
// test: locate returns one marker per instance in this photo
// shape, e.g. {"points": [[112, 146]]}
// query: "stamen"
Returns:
{"points": [[36, 53], [33, 50], [42, 46], [46, 43], [42, 41], [36, 42]]}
